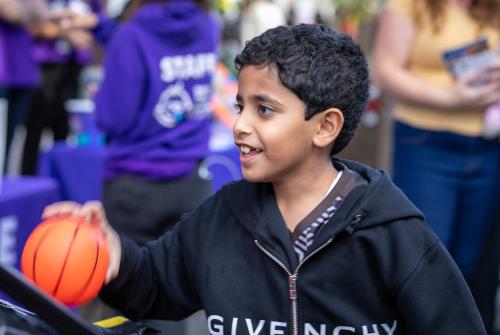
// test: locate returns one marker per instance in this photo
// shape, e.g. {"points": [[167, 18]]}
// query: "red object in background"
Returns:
{"points": [[67, 258], [373, 105], [350, 27]]}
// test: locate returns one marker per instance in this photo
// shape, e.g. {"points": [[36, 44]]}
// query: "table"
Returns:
{"points": [[78, 170], [22, 201]]}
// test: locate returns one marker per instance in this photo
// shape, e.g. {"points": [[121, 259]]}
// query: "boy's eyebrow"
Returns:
{"points": [[259, 98]]}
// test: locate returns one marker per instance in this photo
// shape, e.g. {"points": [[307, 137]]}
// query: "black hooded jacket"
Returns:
{"points": [[375, 268]]}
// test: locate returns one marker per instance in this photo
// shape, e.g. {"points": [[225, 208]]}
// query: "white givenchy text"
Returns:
{"points": [[239, 326]]}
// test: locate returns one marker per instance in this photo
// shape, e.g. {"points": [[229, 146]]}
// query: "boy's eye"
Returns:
{"points": [[238, 108], [264, 110]]}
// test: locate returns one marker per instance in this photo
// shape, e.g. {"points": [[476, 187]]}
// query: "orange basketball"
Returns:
{"points": [[67, 258]]}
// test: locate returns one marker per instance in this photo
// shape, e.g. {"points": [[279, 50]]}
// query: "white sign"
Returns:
{"points": [[8, 233]]}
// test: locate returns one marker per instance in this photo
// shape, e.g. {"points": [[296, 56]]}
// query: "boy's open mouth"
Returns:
{"points": [[246, 150], [248, 153]]}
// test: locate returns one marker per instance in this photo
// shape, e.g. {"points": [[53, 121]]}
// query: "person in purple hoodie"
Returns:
{"points": [[153, 106], [18, 71], [61, 54]]}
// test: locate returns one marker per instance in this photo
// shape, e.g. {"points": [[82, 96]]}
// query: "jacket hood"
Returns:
{"points": [[179, 20], [378, 202]]}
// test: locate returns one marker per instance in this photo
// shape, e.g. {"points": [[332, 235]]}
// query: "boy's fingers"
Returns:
{"points": [[115, 250], [110, 274], [93, 212], [61, 208]]}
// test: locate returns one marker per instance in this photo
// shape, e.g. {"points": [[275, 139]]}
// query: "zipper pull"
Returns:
{"points": [[355, 222], [292, 287]]}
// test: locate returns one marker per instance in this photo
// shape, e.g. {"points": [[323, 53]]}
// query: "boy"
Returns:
{"points": [[306, 245]]}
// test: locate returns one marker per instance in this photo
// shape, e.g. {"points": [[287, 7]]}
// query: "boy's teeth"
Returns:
{"points": [[245, 150]]}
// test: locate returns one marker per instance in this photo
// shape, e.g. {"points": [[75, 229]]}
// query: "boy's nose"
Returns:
{"points": [[241, 126]]}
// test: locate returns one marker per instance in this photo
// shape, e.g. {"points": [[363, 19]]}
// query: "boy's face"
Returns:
{"points": [[274, 139]]}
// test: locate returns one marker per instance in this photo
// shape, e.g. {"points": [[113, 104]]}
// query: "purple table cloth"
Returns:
{"points": [[22, 201]]}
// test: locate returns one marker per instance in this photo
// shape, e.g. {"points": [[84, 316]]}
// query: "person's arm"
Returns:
{"points": [[392, 52], [435, 299], [425, 283], [11, 11], [101, 26], [154, 282], [118, 100], [51, 30], [36, 10], [21, 13]]}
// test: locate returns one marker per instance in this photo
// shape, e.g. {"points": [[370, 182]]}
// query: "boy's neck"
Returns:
{"points": [[297, 197]]}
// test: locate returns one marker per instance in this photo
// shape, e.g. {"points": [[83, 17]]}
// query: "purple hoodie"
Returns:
{"points": [[17, 67], [153, 104]]}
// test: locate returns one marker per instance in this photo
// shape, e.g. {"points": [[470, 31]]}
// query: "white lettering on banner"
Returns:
{"points": [[375, 328], [250, 327], [337, 330], [8, 232], [256, 327], [274, 328], [191, 66], [215, 329], [309, 330]]}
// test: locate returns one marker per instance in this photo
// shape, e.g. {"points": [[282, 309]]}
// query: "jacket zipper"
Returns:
{"points": [[292, 280]]}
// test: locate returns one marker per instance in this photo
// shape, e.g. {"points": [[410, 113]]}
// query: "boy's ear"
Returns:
{"points": [[329, 125]]}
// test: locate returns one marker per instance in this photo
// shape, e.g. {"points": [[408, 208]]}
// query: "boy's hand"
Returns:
{"points": [[93, 213]]}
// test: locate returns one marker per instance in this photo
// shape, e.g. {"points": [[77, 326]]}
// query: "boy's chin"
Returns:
{"points": [[255, 178]]}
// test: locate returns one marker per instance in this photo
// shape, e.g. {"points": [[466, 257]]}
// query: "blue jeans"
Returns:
{"points": [[453, 180]]}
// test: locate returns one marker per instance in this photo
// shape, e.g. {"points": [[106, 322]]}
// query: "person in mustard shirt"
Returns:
{"points": [[441, 160]]}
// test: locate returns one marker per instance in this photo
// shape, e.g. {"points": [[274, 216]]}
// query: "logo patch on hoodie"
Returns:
{"points": [[173, 103], [190, 66]]}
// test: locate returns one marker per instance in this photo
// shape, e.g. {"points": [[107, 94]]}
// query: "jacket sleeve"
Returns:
{"points": [[120, 94], [158, 281], [435, 299]]}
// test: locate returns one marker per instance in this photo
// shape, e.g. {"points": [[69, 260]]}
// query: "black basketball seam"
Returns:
{"points": [[66, 259], [93, 270], [54, 226]]}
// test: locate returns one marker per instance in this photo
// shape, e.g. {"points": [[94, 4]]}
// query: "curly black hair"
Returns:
{"points": [[325, 69]]}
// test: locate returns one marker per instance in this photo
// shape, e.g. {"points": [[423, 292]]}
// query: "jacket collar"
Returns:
{"points": [[376, 203]]}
